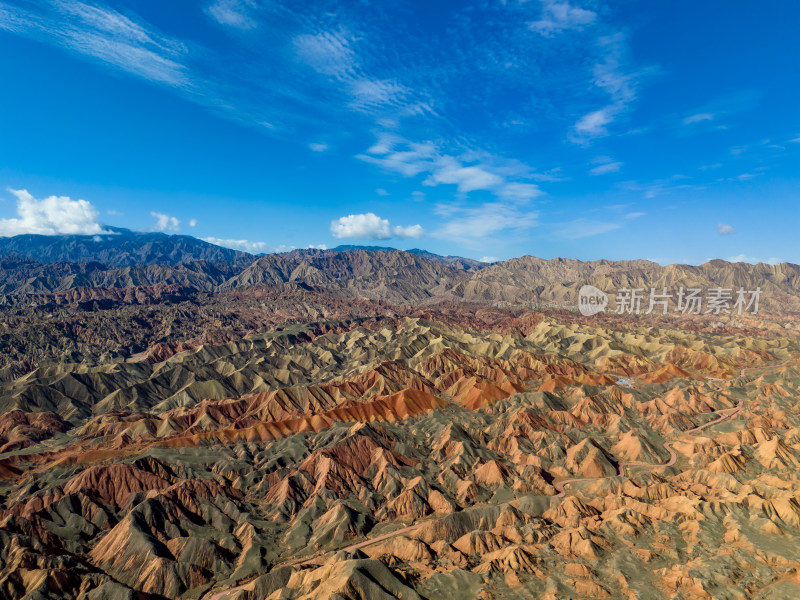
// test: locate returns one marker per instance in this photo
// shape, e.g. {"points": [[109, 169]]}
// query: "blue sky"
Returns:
{"points": [[660, 130]]}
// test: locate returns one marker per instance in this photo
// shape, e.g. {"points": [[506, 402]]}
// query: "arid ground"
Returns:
{"points": [[369, 425]]}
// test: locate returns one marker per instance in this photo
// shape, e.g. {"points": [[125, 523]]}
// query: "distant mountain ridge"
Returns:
{"points": [[119, 248], [385, 274]]}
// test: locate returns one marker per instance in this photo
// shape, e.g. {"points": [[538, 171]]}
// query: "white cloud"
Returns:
{"points": [[561, 16], [411, 231], [318, 147], [317, 247], [165, 222], [192, 222], [53, 215], [487, 173], [233, 13], [371, 226], [362, 226], [593, 124], [245, 245], [381, 192], [470, 171], [724, 229], [468, 179], [489, 259], [698, 118], [409, 160]]}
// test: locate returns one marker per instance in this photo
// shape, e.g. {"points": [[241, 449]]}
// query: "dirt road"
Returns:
{"points": [[730, 412], [558, 485], [374, 540]]}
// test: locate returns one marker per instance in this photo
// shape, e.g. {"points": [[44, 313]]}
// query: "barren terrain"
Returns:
{"points": [[363, 428]]}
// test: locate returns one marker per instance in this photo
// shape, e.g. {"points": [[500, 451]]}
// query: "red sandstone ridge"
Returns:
{"points": [[20, 429], [402, 405]]}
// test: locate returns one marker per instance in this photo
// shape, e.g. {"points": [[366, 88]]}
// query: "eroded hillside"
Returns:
{"points": [[512, 455]]}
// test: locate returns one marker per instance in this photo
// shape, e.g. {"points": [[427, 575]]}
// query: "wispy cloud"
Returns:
{"points": [[332, 53], [604, 165], [469, 172], [103, 34], [518, 192], [233, 13], [593, 124], [561, 16], [328, 52], [371, 94], [467, 178], [724, 229], [611, 76], [467, 224], [739, 177], [610, 218], [708, 117], [341, 73], [659, 187], [698, 118], [582, 228]]}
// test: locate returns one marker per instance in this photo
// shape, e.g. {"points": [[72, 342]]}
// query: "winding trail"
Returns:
{"points": [[558, 485], [673, 457], [374, 540]]}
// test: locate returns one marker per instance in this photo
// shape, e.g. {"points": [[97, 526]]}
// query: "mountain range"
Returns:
{"points": [[38, 264], [181, 421]]}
